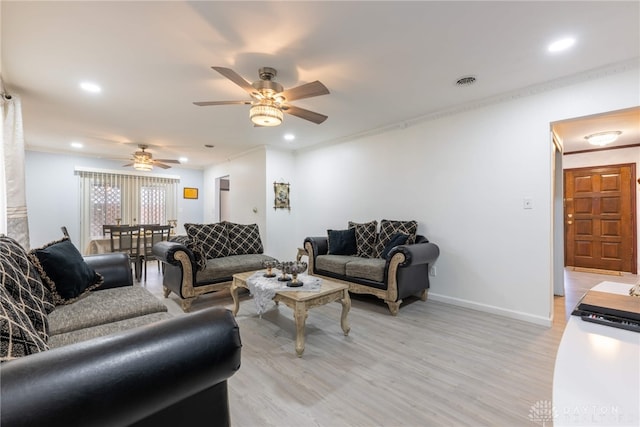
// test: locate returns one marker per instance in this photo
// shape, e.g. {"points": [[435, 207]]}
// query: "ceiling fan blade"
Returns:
{"points": [[128, 164], [237, 79], [305, 91], [167, 161], [161, 165], [316, 118], [205, 103]]}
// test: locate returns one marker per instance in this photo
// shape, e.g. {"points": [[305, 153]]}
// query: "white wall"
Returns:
{"points": [[609, 157], [53, 194], [281, 223], [464, 178], [249, 198]]}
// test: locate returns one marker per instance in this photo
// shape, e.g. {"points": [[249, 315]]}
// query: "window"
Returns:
{"points": [[112, 198]]}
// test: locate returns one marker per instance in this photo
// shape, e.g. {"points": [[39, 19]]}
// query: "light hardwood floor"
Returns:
{"points": [[433, 365]]}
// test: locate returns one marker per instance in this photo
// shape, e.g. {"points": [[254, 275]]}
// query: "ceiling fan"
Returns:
{"points": [[270, 100], [143, 160]]}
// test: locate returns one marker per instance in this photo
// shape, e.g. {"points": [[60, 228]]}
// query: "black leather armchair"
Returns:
{"points": [[168, 373]]}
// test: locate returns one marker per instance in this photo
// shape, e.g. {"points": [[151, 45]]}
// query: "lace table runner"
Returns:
{"points": [[264, 289]]}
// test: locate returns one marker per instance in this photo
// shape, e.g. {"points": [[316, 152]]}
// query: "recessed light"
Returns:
{"points": [[90, 87], [183, 159], [561, 44], [75, 144], [289, 136]]}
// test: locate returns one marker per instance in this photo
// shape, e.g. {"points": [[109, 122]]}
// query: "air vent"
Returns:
{"points": [[466, 81]]}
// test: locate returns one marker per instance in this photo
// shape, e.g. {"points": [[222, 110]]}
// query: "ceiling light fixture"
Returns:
{"points": [[289, 136], [602, 138], [143, 165], [562, 44], [90, 87], [265, 115], [76, 144]]}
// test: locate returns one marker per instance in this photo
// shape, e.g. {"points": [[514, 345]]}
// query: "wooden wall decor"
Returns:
{"points": [[281, 190]]}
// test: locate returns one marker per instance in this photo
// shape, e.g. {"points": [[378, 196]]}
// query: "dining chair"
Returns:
{"points": [[126, 239], [152, 234]]}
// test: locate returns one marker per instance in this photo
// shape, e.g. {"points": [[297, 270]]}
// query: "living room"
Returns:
{"points": [[461, 171]]}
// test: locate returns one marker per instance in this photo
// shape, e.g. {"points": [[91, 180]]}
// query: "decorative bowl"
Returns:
{"points": [[269, 265], [294, 268]]}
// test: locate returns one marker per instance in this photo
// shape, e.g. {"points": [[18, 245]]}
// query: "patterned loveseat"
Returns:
{"points": [[206, 259], [390, 264]]}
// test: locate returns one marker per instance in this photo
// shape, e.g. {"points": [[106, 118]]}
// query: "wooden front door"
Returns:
{"points": [[600, 224]]}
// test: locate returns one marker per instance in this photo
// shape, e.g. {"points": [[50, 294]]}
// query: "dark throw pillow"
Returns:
{"points": [[342, 242], [366, 237], [389, 228], [18, 337], [212, 239], [396, 239], [20, 279], [244, 238], [64, 271]]}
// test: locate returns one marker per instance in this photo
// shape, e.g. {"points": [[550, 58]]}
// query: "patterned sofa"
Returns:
{"points": [[206, 259], [390, 264], [80, 344]]}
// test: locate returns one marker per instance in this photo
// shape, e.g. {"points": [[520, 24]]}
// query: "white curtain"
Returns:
{"points": [[13, 203]]}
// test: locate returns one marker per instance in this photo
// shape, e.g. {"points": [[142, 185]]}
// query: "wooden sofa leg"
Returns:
{"points": [[166, 291], [423, 295], [394, 307], [186, 304]]}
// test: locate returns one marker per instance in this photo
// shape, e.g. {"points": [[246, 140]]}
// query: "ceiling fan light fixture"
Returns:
{"points": [[602, 138], [266, 115], [142, 165]]}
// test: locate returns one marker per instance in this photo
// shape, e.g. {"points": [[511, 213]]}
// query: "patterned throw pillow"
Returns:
{"points": [[366, 235], [244, 238], [212, 239], [22, 283], [389, 228], [64, 271], [18, 337]]}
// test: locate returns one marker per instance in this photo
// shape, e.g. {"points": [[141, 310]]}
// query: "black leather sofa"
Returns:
{"points": [[404, 272], [170, 372]]}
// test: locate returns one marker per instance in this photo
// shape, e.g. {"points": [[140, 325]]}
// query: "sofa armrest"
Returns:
{"points": [[315, 246], [127, 377], [417, 253], [166, 251], [114, 267], [320, 245]]}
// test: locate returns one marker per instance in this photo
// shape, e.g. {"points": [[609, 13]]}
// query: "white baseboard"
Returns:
{"points": [[538, 320]]}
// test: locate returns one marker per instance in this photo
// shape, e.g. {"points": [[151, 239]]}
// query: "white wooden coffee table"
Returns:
{"points": [[300, 302]]}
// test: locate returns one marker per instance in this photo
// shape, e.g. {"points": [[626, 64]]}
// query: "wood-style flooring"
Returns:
{"points": [[433, 365]]}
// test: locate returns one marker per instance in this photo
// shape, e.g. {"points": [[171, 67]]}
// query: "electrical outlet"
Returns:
{"points": [[433, 271]]}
